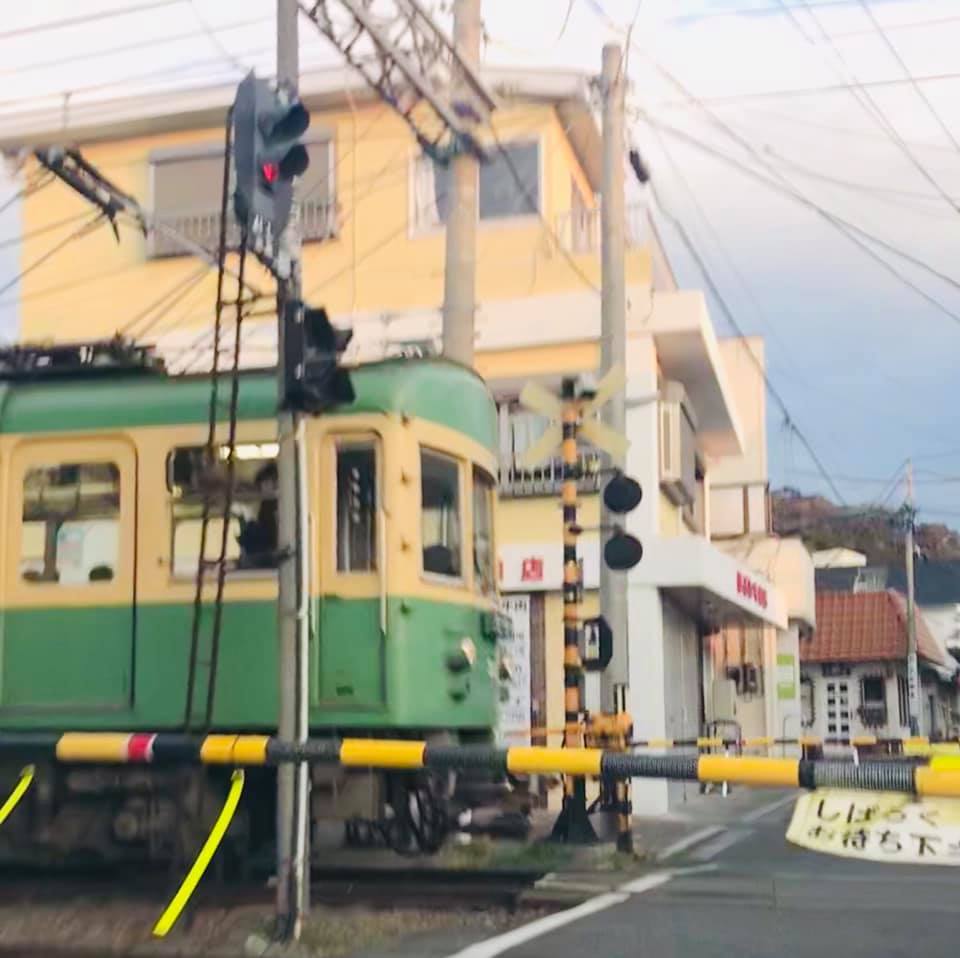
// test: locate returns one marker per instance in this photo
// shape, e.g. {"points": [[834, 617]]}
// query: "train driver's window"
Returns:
{"points": [[440, 521], [71, 523], [483, 564], [356, 507], [193, 478]]}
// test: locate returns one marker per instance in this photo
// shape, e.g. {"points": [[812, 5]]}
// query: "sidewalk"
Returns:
{"points": [[596, 870]]}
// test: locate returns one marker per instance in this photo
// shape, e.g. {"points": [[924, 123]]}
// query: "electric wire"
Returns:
{"points": [[732, 320], [906, 70], [85, 228], [845, 227], [870, 105], [86, 55], [87, 18]]}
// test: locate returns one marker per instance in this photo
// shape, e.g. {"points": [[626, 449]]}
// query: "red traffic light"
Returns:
{"points": [[270, 172]]}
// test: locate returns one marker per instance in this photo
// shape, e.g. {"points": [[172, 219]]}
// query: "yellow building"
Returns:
{"points": [[372, 212]]}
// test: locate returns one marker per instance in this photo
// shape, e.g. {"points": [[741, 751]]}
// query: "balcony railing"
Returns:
{"points": [[873, 716], [579, 230], [318, 221], [546, 479]]}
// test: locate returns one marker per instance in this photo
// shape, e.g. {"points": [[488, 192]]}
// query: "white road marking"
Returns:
{"points": [[684, 843], [765, 810], [542, 926], [712, 849], [648, 882]]}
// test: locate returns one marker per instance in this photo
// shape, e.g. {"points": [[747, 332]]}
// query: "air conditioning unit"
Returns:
{"points": [[677, 455]]}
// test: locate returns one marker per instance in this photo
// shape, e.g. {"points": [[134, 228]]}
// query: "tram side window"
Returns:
{"points": [[252, 532], [440, 522], [356, 507], [483, 565], [71, 523]]}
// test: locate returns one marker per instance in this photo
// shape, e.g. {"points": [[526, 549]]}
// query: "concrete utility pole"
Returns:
{"points": [[913, 671], [613, 598], [459, 278], [293, 786]]}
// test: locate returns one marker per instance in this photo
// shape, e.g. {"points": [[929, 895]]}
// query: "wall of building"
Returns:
{"points": [[375, 262], [944, 623], [738, 484]]}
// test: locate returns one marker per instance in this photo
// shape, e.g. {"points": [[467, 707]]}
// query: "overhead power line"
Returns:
{"points": [[87, 227], [906, 70], [870, 105], [823, 90], [149, 43], [87, 18], [854, 233], [732, 320]]}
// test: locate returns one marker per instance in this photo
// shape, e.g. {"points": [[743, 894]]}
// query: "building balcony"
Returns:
{"points": [[318, 221], [873, 715], [546, 479], [579, 230]]}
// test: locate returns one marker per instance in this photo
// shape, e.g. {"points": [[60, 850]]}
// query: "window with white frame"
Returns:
{"points": [[187, 185], [509, 186]]}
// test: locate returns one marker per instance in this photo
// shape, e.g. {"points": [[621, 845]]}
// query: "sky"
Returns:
{"points": [[806, 95]]}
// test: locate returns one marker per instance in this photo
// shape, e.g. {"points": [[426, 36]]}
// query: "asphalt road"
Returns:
{"points": [[746, 892]]}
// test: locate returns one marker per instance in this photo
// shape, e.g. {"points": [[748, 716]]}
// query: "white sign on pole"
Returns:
{"points": [[514, 717], [878, 826]]}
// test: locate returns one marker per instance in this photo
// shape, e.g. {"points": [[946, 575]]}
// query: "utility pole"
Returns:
{"points": [[613, 316], [293, 786], [913, 671], [459, 278]]}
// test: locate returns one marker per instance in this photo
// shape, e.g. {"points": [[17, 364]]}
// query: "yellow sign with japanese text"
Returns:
{"points": [[878, 826]]}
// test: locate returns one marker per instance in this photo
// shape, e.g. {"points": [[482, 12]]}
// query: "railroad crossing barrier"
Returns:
{"points": [[939, 777]]}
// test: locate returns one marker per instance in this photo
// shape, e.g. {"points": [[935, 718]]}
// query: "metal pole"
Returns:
{"points": [[613, 318], [913, 671], [573, 823], [459, 279], [293, 788]]}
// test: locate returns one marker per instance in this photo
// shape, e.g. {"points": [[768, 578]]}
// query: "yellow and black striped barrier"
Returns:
{"points": [[940, 776], [916, 745]]}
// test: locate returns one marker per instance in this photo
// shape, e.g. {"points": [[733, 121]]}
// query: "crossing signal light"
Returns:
{"points": [[267, 156], [621, 495], [313, 379]]}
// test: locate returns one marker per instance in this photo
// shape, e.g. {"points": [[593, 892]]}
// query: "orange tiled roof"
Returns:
{"points": [[865, 627]]}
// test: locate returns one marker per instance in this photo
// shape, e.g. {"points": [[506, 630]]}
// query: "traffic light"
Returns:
{"points": [[622, 550], [313, 379], [267, 156]]}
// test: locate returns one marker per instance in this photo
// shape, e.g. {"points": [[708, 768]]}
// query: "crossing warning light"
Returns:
{"points": [[621, 495]]}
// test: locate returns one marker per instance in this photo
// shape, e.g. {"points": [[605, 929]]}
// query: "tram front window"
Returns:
{"points": [[252, 535], [440, 523]]}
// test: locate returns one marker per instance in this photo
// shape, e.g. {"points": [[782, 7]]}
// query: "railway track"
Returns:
{"points": [[128, 895], [373, 886]]}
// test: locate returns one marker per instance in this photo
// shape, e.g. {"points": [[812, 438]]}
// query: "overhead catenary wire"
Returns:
{"points": [[151, 42], [872, 108], [853, 232], [92, 224], [918, 89], [215, 40], [87, 18], [21, 238], [731, 318]]}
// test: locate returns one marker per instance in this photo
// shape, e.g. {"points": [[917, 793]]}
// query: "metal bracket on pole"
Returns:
{"points": [[406, 58]]}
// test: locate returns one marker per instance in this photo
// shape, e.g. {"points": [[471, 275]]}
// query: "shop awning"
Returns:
{"points": [[709, 584]]}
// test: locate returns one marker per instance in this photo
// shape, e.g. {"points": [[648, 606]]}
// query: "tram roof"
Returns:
{"points": [[433, 389]]}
